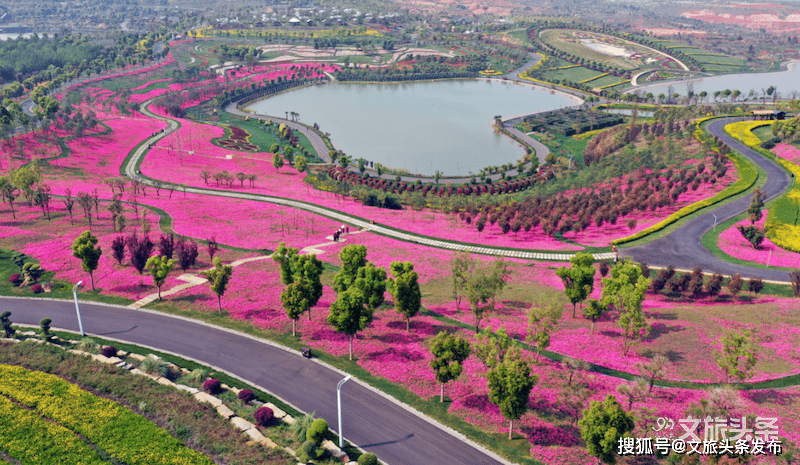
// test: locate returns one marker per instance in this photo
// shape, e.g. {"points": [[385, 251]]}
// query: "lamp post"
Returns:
{"points": [[339, 408], [715, 222], [77, 308]]}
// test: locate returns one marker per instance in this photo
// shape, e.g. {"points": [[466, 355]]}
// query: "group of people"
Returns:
{"points": [[343, 230]]}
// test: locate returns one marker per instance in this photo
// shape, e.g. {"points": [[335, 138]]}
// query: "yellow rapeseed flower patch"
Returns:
{"points": [[31, 439], [125, 436], [744, 129]]}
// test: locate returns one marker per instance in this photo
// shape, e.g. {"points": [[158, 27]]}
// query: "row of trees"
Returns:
{"points": [[359, 285]]}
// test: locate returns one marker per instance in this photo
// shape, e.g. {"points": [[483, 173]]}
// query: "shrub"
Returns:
{"points": [[246, 396], [37, 289], [753, 235], [309, 451], [767, 144], [15, 279], [196, 375], [317, 431], [155, 366], [368, 459], [263, 416], [755, 285], [109, 351], [301, 426], [88, 345], [44, 324], [604, 267], [212, 386]]}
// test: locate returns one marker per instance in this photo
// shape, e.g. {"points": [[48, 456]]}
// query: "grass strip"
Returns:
{"points": [[31, 439], [104, 423]]}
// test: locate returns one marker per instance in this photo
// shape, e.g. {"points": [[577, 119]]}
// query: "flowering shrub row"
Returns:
{"points": [[386, 185], [105, 423], [29, 438]]}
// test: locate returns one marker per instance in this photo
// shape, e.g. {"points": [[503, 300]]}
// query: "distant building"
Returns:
{"points": [[768, 114]]}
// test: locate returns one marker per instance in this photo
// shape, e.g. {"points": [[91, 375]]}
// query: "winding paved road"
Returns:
{"points": [[683, 248], [370, 420]]}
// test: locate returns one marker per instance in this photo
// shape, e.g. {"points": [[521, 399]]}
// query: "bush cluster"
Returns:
{"points": [[15, 279], [264, 416], [212, 386], [246, 396], [109, 351]]}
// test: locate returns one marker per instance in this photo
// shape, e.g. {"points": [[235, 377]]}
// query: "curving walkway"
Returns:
{"points": [[140, 152]]}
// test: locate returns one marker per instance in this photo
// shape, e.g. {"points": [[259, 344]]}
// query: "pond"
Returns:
{"points": [[786, 82], [422, 127]]}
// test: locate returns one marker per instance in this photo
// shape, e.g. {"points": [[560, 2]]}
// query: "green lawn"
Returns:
{"points": [[576, 74]]}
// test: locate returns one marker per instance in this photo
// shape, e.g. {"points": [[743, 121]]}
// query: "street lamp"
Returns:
{"points": [[715, 222], [77, 308], [339, 407]]}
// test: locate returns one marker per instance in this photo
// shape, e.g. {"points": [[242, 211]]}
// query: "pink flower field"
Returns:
{"points": [[734, 244]]}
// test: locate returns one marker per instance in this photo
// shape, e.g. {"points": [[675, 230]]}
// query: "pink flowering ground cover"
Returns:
{"points": [[387, 350], [788, 152], [734, 244], [50, 242]]}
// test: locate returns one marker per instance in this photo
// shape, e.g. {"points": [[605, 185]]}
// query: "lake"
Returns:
{"points": [[419, 126], [787, 83]]}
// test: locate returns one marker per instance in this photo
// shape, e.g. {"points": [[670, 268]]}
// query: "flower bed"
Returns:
{"points": [[238, 139], [732, 243], [29, 438], [105, 423]]}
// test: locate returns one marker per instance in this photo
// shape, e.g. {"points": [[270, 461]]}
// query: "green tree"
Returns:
{"points": [[84, 248], [738, 354], [543, 316], [405, 291], [218, 278], [372, 282], [295, 301], [159, 269], [756, 205], [578, 279], [459, 268], [295, 267], [594, 310], [482, 284], [449, 353], [492, 348], [510, 385], [353, 257], [300, 163], [625, 289], [602, 425], [350, 314], [653, 371], [277, 161]]}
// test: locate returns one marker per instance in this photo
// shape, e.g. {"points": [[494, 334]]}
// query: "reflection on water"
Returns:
{"points": [[786, 82], [422, 126]]}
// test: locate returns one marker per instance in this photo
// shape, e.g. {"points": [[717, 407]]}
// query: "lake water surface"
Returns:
{"points": [[787, 83], [420, 126]]}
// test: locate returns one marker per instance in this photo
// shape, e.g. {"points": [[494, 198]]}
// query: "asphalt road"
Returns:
{"points": [[683, 248], [370, 420]]}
